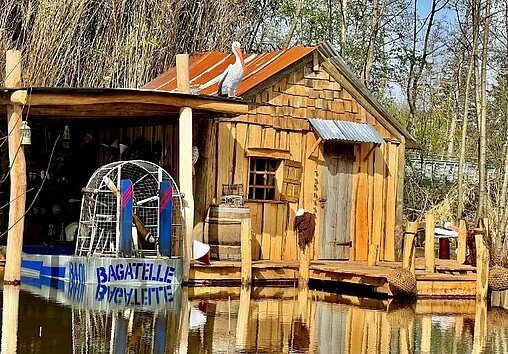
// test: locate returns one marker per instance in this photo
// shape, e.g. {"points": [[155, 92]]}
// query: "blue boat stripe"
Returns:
{"points": [[35, 265], [43, 270]]}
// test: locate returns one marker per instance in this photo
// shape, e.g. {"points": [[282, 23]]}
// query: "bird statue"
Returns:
{"points": [[233, 75], [195, 156]]}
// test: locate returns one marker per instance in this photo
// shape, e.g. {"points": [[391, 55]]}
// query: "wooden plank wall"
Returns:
{"points": [[283, 124]]}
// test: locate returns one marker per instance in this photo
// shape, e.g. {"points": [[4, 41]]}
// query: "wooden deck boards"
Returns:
{"points": [[450, 280]]}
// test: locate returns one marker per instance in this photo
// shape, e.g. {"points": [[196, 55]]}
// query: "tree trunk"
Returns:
{"points": [[377, 10], [483, 118], [462, 155], [502, 199], [292, 28], [343, 29], [416, 67], [455, 117]]}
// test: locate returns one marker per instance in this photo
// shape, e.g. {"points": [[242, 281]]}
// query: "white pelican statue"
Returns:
{"points": [[233, 75]]}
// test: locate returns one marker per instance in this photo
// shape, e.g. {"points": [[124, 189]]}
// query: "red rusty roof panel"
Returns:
{"points": [[205, 70]]}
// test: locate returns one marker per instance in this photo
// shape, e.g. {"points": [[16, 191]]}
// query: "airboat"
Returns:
{"points": [[129, 232]]}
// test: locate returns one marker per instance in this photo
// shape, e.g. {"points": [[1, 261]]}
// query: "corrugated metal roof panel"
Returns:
{"points": [[341, 130], [205, 70]]}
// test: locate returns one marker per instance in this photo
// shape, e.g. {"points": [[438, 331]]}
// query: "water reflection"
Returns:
{"points": [[250, 320]]}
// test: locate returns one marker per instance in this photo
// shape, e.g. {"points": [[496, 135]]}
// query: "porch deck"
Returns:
{"points": [[450, 279]]}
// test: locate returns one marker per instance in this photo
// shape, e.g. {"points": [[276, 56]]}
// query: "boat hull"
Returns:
{"points": [[103, 270]]}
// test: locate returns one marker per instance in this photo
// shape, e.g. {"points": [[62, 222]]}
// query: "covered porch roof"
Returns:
{"points": [[91, 103]]}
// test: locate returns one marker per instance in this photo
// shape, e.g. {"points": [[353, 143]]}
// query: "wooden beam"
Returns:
{"points": [[314, 146], [370, 151], [268, 153], [80, 97], [430, 261]]}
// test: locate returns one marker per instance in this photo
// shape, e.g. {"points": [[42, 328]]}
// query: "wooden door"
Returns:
{"points": [[336, 201]]}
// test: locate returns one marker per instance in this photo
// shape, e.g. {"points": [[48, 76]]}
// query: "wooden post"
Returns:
{"points": [[183, 342], [408, 254], [303, 277], [462, 239], [430, 261], [482, 267], [12, 271], [12, 274], [185, 160], [246, 250]]}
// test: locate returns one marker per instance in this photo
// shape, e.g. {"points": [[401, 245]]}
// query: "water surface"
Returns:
{"points": [[255, 320]]}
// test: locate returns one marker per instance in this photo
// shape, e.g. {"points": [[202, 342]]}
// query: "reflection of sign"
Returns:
{"points": [[134, 296], [135, 271], [77, 272], [76, 291]]}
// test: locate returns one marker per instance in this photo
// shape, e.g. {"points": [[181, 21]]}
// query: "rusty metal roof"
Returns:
{"points": [[341, 130], [205, 70]]}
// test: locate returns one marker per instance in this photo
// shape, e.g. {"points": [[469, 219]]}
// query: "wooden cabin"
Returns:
{"points": [[313, 138]]}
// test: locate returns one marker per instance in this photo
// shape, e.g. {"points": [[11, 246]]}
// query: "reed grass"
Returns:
{"points": [[117, 43]]}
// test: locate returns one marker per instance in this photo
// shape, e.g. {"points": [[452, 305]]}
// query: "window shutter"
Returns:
{"points": [[291, 181]]}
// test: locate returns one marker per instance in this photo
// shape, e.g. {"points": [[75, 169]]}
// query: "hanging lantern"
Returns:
{"points": [[26, 134]]}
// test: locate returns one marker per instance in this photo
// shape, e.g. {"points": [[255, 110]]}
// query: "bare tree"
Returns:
{"points": [[417, 62], [483, 118], [462, 156]]}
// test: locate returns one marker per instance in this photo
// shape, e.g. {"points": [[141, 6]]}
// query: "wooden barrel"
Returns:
{"points": [[223, 231]]}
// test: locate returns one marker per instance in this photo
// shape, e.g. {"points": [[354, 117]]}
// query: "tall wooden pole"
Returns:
{"points": [[185, 159], [12, 273], [17, 163]]}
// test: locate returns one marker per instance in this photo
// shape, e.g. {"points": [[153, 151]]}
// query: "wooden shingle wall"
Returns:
{"points": [[281, 124]]}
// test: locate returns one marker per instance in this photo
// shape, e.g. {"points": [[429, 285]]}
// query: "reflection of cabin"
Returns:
{"points": [[314, 137]]}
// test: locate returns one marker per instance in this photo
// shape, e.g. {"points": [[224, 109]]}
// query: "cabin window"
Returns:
{"points": [[262, 178]]}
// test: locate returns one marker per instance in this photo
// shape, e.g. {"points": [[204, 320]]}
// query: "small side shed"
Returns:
{"points": [[314, 138]]}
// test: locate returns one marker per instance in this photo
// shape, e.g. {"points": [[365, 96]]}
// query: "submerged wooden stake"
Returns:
{"points": [[183, 340], [10, 315], [430, 261], [242, 324]]}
